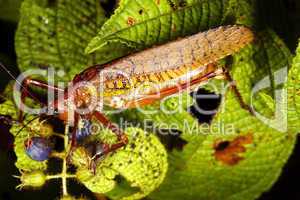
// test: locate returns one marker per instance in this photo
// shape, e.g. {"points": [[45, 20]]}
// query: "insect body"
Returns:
{"points": [[38, 148], [125, 82], [146, 76]]}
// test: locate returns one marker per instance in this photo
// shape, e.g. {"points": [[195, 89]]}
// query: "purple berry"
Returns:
{"points": [[38, 148]]}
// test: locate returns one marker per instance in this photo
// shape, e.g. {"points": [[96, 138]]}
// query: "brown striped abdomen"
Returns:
{"points": [[202, 48], [169, 61]]}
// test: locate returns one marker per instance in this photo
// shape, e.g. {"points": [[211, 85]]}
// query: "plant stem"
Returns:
{"points": [[64, 174], [57, 176], [60, 155]]}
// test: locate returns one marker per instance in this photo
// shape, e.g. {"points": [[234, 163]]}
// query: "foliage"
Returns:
{"points": [[293, 93], [55, 36], [237, 156], [9, 10]]}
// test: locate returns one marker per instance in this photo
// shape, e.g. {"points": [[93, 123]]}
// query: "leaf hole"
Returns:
{"points": [[171, 139], [206, 106]]}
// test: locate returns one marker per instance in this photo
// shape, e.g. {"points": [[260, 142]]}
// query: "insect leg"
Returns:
{"points": [[25, 92], [102, 149], [237, 93], [41, 84], [122, 138]]}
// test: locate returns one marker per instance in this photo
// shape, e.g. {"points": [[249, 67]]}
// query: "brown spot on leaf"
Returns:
{"points": [[157, 2], [130, 21], [229, 152]]}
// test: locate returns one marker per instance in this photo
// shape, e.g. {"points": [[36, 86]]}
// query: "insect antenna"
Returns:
{"points": [[10, 74], [18, 82]]}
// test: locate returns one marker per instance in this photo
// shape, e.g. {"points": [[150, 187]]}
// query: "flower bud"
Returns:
{"points": [[32, 179]]}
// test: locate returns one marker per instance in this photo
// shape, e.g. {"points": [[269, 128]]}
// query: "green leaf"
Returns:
{"points": [[140, 24], [8, 108], [142, 163], [9, 10], [258, 152], [244, 12], [263, 67], [293, 88], [55, 35], [268, 55], [241, 172]]}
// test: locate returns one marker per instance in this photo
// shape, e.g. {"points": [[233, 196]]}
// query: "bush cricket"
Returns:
{"points": [[144, 77]]}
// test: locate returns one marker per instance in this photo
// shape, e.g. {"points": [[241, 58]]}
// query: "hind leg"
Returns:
{"points": [[121, 137], [237, 93]]}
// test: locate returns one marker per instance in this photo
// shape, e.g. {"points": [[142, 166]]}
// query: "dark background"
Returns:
{"points": [[283, 16]]}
